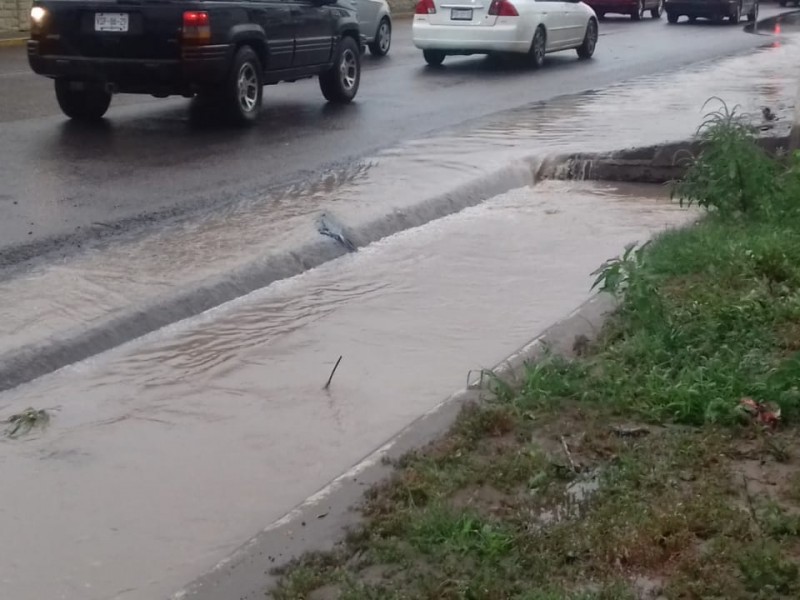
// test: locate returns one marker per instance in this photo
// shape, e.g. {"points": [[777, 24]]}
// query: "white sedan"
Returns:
{"points": [[527, 27]]}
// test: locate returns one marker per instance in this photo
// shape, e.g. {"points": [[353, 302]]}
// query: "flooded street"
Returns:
{"points": [[168, 452]]}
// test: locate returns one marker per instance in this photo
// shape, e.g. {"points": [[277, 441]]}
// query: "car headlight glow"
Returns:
{"points": [[38, 14]]}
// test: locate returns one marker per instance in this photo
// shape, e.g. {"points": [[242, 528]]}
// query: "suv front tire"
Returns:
{"points": [[243, 90]]}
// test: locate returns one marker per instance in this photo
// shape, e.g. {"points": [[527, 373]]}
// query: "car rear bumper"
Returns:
{"points": [[706, 8], [503, 36], [197, 67]]}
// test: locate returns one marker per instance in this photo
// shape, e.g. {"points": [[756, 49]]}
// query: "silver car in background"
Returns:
{"points": [[375, 24]]}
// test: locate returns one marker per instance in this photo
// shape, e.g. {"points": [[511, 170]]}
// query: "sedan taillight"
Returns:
{"points": [[425, 7], [502, 8]]}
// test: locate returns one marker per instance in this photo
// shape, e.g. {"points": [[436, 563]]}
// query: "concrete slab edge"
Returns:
{"points": [[321, 521], [13, 42]]}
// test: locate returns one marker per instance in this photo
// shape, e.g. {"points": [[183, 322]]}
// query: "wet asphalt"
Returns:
{"points": [[63, 184]]}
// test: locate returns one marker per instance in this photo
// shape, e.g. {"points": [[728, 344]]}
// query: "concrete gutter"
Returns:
{"points": [[654, 164], [12, 41], [321, 522]]}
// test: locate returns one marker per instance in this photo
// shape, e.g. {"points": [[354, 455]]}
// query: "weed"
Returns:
{"points": [[764, 567], [732, 176]]}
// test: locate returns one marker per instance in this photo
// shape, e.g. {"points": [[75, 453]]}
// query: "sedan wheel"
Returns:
{"points": [[538, 48], [659, 8], [383, 39], [736, 16], [433, 57], [752, 16], [586, 49]]}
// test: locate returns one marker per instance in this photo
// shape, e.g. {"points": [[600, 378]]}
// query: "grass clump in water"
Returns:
{"points": [[668, 489]]}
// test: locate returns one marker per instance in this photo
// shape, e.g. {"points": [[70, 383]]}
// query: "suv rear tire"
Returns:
{"points": [[339, 84], [87, 104], [243, 92]]}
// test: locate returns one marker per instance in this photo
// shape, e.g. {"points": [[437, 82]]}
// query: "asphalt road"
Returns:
{"points": [[61, 183]]}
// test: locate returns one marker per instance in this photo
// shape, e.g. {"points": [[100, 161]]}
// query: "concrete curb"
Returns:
{"points": [[23, 364], [319, 523], [652, 164], [14, 42]]}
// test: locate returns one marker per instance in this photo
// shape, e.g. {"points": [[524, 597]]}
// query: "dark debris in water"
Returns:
{"points": [[327, 225], [24, 422]]}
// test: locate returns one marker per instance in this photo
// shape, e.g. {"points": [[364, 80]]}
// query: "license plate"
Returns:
{"points": [[461, 14], [116, 22]]}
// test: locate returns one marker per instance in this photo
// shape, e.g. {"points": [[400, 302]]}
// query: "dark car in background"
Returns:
{"points": [[716, 10], [637, 9], [223, 51]]}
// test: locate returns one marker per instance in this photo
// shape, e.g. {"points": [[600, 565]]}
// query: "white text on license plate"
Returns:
{"points": [[111, 22], [461, 14]]}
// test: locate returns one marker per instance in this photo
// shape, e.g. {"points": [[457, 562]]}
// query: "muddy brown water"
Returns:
{"points": [[166, 453]]}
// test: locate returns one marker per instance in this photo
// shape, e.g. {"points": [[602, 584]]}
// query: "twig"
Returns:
{"points": [[569, 454], [750, 502], [336, 366]]}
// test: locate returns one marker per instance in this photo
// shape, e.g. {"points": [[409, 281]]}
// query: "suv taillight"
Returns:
{"points": [[196, 28], [502, 8], [425, 7]]}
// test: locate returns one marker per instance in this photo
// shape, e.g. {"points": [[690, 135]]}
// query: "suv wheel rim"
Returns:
{"points": [[348, 69], [248, 87], [384, 37]]}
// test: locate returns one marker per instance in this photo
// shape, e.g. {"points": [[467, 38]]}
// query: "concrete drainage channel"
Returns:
{"points": [[318, 523], [25, 362], [191, 268]]}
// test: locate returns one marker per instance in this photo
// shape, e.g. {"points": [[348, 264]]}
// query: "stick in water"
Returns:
{"points": [[336, 366]]}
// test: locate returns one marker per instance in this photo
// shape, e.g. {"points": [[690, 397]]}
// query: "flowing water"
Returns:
{"points": [[166, 453]]}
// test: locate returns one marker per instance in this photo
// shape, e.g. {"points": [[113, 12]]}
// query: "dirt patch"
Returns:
{"points": [[378, 575], [326, 592], [485, 500]]}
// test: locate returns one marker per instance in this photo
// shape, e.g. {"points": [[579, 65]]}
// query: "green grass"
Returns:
{"points": [[705, 505]]}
